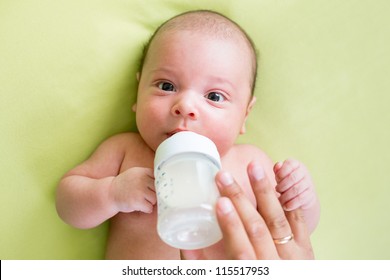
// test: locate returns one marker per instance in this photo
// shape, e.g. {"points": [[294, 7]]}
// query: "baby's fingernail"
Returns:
{"points": [[225, 205], [226, 179], [257, 172]]}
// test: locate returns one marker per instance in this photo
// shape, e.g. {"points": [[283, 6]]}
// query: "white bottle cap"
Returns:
{"points": [[185, 142]]}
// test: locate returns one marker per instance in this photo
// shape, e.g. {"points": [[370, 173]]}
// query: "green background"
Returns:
{"points": [[67, 82]]}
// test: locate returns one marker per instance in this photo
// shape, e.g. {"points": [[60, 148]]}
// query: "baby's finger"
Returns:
{"points": [[144, 206], [277, 167], [149, 172], [291, 179], [293, 192], [303, 200], [287, 167], [150, 195]]}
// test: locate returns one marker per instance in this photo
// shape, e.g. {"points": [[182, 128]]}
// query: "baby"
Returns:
{"points": [[198, 74]]}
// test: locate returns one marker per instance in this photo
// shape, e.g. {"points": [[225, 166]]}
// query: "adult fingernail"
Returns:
{"points": [[226, 179], [257, 172], [225, 205]]}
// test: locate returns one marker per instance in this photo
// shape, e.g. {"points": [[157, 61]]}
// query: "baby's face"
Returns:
{"points": [[192, 81]]}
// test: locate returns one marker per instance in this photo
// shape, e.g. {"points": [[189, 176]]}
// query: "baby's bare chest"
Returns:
{"points": [[137, 157]]}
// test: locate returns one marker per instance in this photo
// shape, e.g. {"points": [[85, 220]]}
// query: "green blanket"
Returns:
{"points": [[67, 82]]}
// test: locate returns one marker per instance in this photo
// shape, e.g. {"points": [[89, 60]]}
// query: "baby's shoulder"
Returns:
{"points": [[124, 137], [243, 154], [248, 153], [133, 150], [123, 140], [122, 143]]}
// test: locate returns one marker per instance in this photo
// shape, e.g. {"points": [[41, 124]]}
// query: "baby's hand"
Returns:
{"points": [[294, 184], [133, 190]]}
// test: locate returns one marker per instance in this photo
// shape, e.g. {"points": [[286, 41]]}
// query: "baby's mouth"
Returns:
{"points": [[173, 132]]}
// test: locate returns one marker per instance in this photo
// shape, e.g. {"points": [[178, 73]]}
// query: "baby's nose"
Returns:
{"points": [[185, 108]]}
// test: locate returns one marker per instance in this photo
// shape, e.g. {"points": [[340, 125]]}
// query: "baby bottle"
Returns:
{"points": [[185, 166]]}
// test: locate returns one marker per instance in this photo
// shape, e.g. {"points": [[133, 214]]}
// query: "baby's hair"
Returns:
{"points": [[209, 22]]}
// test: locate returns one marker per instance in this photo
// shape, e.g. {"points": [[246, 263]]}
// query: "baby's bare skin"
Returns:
{"points": [[191, 80], [134, 235]]}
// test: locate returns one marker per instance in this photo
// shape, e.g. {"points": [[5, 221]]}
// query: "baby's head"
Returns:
{"points": [[209, 23], [198, 73]]}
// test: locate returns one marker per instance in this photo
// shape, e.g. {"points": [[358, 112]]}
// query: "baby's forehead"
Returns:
{"points": [[210, 24], [207, 23], [205, 36], [208, 28]]}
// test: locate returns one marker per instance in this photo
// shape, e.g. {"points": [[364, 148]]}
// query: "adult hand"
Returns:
{"points": [[267, 232]]}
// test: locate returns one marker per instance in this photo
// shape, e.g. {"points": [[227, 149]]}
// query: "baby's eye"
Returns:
{"points": [[215, 96], [165, 86]]}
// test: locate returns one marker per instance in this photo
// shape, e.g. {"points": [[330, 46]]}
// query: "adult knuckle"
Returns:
{"points": [[279, 222], [298, 216], [256, 229], [236, 195], [262, 187]]}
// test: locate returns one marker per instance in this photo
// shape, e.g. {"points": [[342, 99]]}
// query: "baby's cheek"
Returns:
{"points": [[223, 145]]}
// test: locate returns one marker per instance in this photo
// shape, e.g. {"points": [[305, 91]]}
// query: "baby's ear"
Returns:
{"points": [[248, 109]]}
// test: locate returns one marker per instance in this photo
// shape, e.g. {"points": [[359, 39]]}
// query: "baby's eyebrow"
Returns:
{"points": [[163, 69], [221, 80]]}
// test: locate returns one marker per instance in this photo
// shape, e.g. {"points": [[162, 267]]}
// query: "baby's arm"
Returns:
{"points": [[94, 191], [296, 190]]}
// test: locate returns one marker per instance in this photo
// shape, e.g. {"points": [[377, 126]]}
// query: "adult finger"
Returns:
{"points": [[192, 254], [270, 209], [255, 228], [301, 235], [236, 242]]}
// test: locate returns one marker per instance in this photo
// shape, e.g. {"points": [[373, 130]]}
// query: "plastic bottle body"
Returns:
{"points": [[187, 194], [186, 197]]}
